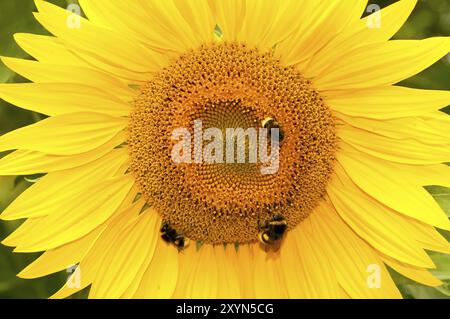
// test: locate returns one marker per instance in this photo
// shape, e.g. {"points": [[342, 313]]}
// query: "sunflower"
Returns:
{"points": [[356, 153]]}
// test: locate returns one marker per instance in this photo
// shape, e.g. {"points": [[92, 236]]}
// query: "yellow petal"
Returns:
{"points": [[422, 276], [180, 26], [268, 279], [406, 151], [127, 18], [253, 31], [198, 273], [60, 258], [67, 255], [88, 267], [230, 16], [427, 236], [44, 72], [308, 270], [246, 266], [23, 162], [285, 21], [205, 279], [389, 102], [160, 277], [256, 11], [429, 174], [321, 22], [53, 191], [62, 98], [126, 255], [439, 120], [75, 221], [382, 63], [387, 184], [426, 131], [199, 18], [376, 223], [101, 47], [392, 18], [358, 33], [187, 266], [175, 25], [47, 49], [66, 134], [229, 274], [352, 259]]}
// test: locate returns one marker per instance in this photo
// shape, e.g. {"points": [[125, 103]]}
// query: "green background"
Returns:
{"points": [[431, 18]]}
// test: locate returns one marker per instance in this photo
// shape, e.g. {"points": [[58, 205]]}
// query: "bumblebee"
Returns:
{"points": [[269, 124], [272, 231], [171, 236]]}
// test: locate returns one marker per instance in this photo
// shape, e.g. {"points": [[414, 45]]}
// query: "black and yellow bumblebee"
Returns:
{"points": [[272, 231], [270, 123], [171, 236]]}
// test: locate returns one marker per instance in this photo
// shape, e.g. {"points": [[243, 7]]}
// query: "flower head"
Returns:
{"points": [[354, 149]]}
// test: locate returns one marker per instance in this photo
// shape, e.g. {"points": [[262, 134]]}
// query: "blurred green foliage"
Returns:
{"points": [[431, 18]]}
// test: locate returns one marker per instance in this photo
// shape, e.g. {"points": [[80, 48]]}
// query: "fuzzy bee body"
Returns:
{"points": [[269, 124], [171, 236], [273, 231]]}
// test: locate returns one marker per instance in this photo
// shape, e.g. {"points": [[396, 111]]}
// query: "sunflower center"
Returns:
{"points": [[229, 90]]}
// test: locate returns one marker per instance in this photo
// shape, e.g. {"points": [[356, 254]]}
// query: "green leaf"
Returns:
{"points": [[442, 262], [442, 272], [444, 289], [442, 196], [422, 292]]}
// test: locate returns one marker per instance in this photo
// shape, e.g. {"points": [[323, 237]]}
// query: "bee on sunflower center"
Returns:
{"points": [[272, 231], [171, 236], [270, 123]]}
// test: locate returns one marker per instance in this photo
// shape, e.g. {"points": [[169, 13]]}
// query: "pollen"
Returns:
{"points": [[229, 85]]}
